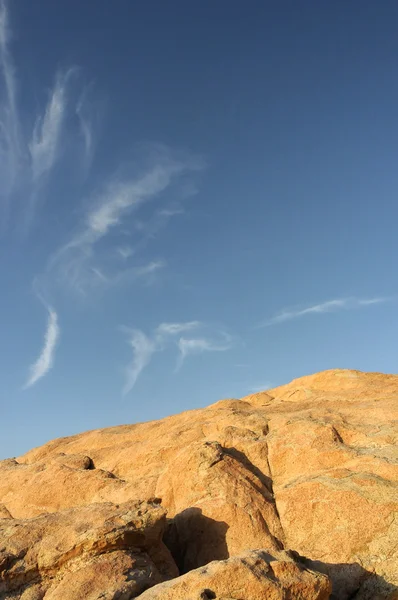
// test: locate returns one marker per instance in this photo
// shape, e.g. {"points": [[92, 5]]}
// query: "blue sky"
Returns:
{"points": [[197, 200]]}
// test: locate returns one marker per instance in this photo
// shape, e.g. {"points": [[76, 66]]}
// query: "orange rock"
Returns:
{"points": [[310, 467], [254, 575], [82, 552]]}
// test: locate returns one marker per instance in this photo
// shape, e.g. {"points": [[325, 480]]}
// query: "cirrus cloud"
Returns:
{"points": [[45, 360], [329, 306], [88, 258], [164, 335]]}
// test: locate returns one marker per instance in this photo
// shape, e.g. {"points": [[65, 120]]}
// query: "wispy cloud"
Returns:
{"points": [[46, 359], [329, 306], [111, 211], [6, 63], [189, 346], [145, 346], [151, 267], [373, 301], [147, 273], [125, 251], [120, 198], [28, 157], [9, 120], [176, 328], [103, 223], [44, 146], [170, 212], [85, 123], [149, 229]]}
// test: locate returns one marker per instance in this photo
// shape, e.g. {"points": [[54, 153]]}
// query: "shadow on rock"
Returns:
{"points": [[350, 581], [195, 540], [243, 459]]}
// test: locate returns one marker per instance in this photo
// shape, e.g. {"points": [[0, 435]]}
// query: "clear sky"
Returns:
{"points": [[197, 200]]}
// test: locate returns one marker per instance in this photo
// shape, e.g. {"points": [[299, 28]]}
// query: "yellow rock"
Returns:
{"points": [[308, 467]]}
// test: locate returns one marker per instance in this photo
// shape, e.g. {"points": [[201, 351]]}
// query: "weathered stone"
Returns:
{"points": [[255, 575], [310, 467], [84, 552]]}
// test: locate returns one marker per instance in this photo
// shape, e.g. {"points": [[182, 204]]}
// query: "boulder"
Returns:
{"points": [[94, 551], [255, 575]]}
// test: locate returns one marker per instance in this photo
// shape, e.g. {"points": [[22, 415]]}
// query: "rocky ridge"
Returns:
{"points": [[287, 494]]}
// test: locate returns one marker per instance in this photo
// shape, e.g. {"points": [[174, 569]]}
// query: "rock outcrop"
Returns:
{"points": [[74, 553], [255, 575], [309, 468]]}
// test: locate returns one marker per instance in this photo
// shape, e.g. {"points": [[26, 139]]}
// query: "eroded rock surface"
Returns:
{"points": [[255, 575], [95, 551], [309, 467]]}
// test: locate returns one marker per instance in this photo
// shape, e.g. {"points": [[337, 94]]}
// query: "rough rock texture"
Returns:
{"points": [[254, 575], [74, 553], [309, 467]]}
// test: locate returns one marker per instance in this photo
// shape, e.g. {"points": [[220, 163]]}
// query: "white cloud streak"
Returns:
{"points": [[125, 251], [143, 349], [144, 346], [5, 59], [110, 212], [120, 198], [85, 127], [150, 268], [170, 212], [9, 120], [372, 301], [46, 359], [27, 157], [44, 145], [325, 307], [189, 346], [176, 328]]}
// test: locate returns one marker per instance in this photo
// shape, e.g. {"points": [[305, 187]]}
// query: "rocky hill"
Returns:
{"points": [[286, 494]]}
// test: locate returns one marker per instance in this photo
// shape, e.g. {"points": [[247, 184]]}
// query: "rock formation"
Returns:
{"points": [[290, 493], [74, 553]]}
